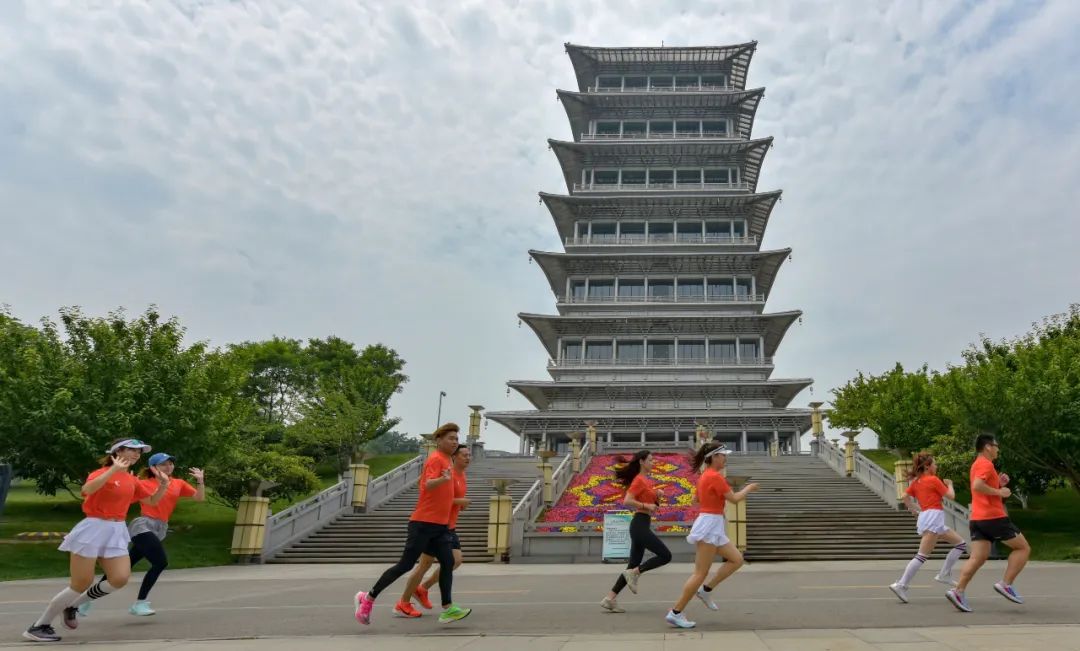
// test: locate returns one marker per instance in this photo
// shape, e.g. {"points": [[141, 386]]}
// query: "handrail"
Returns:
{"points": [[876, 479], [385, 487], [670, 298], [689, 187], [652, 135], [712, 88], [297, 521], [659, 361], [661, 238]]}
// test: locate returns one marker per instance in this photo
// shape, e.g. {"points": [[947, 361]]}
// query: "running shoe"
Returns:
{"points": [[84, 608], [946, 579], [43, 633], [454, 613], [71, 618], [611, 606], [1008, 592], [958, 599], [706, 598], [141, 608], [363, 604], [900, 591], [631, 579], [421, 595], [679, 620], [404, 609]]}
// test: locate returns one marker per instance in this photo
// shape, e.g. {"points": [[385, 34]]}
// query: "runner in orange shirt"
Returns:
{"points": [[428, 532], [644, 498], [462, 457], [989, 523], [923, 499], [709, 533]]}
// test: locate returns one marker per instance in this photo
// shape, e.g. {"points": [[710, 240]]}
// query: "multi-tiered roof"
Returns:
{"points": [[661, 290]]}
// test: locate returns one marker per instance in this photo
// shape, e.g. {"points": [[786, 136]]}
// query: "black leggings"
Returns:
{"points": [[146, 545], [642, 538], [423, 538]]}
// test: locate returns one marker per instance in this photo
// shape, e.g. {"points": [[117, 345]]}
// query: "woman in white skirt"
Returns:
{"points": [[101, 537], [709, 533], [923, 499]]}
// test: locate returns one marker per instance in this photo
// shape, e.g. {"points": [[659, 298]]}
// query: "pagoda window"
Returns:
{"points": [[739, 228], [633, 177], [691, 351], [748, 350], [571, 349], [661, 128], [661, 231], [722, 350], [662, 289], [601, 289], [721, 288], [714, 128], [632, 287], [630, 351], [661, 178], [660, 81], [743, 286], [635, 129], [661, 350], [686, 81], [688, 231], [632, 231], [598, 350], [713, 81], [691, 287], [685, 128], [603, 231], [635, 83], [609, 83], [688, 177], [718, 230], [578, 289], [605, 177], [722, 175], [608, 128]]}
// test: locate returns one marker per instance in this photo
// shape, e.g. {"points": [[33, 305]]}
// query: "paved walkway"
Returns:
{"points": [[776, 606]]}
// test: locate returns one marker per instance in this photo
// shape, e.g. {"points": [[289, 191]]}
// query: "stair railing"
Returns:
{"points": [[300, 519], [386, 487], [525, 511], [832, 455], [876, 479]]}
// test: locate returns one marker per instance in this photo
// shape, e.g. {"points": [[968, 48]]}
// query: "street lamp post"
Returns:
{"points": [[438, 414]]}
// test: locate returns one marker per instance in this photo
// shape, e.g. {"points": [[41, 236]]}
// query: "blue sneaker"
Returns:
{"points": [[1008, 592], [959, 600], [141, 609]]}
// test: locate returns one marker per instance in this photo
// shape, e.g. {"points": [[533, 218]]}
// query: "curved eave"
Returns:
{"points": [[588, 62], [549, 328], [583, 107], [564, 421], [576, 156], [565, 209], [779, 392], [763, 265]]}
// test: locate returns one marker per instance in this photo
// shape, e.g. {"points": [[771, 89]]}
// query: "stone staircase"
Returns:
{"points": [[379, 536], [806, 511]]}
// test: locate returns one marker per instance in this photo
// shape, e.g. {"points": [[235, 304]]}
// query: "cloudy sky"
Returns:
{"points": [[262, 167]]}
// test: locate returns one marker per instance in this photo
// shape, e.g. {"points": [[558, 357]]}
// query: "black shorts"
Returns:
{"points": [[455, 542], [427, 537], [993, 530]]}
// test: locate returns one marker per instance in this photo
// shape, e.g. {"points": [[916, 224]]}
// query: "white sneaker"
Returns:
{"points": [[946, 579], [900, 591], [679, 621], [706, 598], [611, 606], [631, 579]]}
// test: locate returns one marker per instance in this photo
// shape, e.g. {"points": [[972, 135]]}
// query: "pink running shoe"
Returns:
{"points": [[364, 604]]}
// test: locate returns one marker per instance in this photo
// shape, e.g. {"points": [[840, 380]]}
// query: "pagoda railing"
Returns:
{"points": [[658, 361], [654, 187], [661, 89], [683, 135], [699, 298], [659, 238]]}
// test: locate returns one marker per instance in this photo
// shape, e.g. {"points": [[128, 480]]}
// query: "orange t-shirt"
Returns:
{"points": [[460, 487], [641, 489], [434, 505], [928, 491], [711, 489], [985, 507], [112, 500], [163, 510]]}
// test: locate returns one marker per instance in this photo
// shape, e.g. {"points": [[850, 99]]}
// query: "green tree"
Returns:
{"points": [[278, 380]]}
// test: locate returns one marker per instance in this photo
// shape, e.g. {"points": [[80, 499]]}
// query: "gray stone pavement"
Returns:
{"points": [[779, 606]]}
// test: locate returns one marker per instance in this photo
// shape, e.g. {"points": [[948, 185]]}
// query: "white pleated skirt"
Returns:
{"points": [[709, 528], [97, 538], [931, 520]]}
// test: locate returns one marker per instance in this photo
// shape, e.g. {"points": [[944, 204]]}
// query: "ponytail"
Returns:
{"points": [[630, 468], [697, 459], [921, 464]]}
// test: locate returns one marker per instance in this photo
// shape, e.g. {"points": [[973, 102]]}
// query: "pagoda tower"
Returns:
{"points": [[661, 335]]}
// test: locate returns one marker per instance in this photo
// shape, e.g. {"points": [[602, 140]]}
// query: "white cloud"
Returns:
{"points": [[370, 170]]}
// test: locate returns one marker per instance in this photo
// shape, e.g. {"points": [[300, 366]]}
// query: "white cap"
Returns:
{"points": [[134, 444]]}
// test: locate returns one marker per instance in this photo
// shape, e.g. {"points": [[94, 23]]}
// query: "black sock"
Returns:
{"points": [[706, 588], [675, 612]]}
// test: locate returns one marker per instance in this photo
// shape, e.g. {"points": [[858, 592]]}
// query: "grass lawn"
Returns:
{"points": [[203, 530], [883, 458]]}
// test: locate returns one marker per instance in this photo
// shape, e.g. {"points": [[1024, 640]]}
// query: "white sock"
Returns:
{"points": [[912, 568], [56, 606], [954, 555], [96, 591]]}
